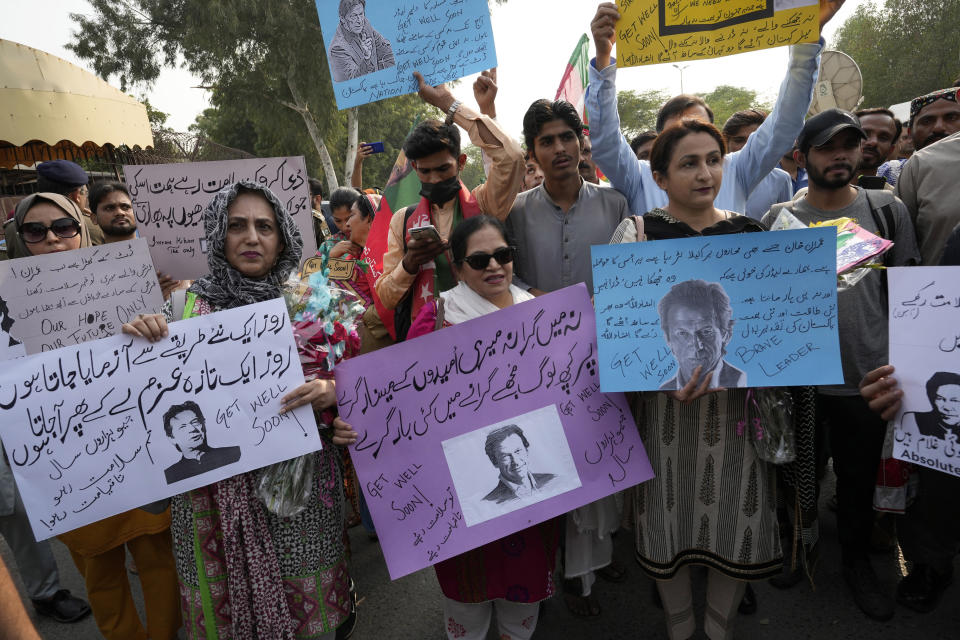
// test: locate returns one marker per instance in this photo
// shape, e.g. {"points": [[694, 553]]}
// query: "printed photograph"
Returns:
{"points": [[186, 429], [697, 323], [513, 464]]}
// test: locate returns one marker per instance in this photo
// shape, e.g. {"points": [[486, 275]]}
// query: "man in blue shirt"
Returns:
{"points": [[776, 186]]}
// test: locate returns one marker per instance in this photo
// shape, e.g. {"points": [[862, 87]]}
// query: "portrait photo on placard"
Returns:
{"points": [[697, 321], [185, 428], [373, 48], [512, 464], [741, 309]]}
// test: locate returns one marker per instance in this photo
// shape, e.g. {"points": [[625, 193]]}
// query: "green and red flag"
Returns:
{"points": [[402, 190], [573, 86]]}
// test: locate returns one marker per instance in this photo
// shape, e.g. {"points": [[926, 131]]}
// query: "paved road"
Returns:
{"points": [[409, 609]]}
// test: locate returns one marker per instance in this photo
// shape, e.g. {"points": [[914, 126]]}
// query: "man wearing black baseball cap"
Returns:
{"points": [[829, 148]]}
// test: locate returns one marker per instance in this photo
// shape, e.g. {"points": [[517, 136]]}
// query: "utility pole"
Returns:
{"points": [[680, 68]]}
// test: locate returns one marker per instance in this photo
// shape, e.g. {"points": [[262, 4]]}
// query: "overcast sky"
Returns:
{"points": [[535, 36]]}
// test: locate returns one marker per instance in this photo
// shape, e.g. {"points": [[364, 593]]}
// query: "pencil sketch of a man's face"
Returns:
{"points": [[354, 20], [511, 459], [187, 430], [947, 403], [695, 339]]}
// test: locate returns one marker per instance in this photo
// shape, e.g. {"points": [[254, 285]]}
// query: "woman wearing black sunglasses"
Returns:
{"points": [[51, 223], [511, 575], [48, 223]]}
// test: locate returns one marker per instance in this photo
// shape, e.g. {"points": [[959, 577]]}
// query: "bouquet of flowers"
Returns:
{"points": [[325, 328], [768, 424], [324, 323], [857, 248]]}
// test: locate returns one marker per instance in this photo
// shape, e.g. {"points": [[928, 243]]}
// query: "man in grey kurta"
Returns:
{"points": [[553, 244], [553, 227], [555, 224]]}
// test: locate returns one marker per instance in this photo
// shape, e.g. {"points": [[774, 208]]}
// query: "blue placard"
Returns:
{"points": [[375, 47], [754, 309]]}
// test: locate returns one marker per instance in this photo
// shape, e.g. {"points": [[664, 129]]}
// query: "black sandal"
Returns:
{"points": [[579, 605]]}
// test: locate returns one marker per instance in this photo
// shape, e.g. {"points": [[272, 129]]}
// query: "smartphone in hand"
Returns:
{"points": [[427, 232], [375, 147]]}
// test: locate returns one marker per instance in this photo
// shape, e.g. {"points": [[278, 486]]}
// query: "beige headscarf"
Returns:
{"points": [[69, 207]]}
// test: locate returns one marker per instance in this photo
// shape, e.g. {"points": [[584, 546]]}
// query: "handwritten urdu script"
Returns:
{"points": [[90, 429], [169, 200], [406, 401]]}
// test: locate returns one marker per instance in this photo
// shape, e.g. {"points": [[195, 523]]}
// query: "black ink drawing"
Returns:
{"points": [[509, 451], [10, 347], [186, 428], [525, 461], [697, 322], [943, 420], [357, 49]]}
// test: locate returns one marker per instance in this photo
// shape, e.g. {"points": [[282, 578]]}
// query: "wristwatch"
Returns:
{"points": [[452, 111]]}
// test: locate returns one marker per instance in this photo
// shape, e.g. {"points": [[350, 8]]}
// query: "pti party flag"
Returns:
{"points": [[573, 86], [402, 190]]}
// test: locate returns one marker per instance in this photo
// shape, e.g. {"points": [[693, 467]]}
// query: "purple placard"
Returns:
{"points": [[426, 409]]}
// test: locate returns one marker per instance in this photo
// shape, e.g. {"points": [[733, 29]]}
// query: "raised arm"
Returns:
{"points": [[611, 151], [364, 151], [776, 135], [497, 194]]}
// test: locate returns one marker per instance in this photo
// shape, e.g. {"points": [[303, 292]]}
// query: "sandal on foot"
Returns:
{"points": [[577, 604], [613, 572]]}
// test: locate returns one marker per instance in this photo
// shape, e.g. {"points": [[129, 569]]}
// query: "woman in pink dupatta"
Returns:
{"points": [[511, 575]]}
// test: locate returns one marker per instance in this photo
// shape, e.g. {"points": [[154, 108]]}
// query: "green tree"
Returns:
{"points": [[904, 48], [726, 100], [156, 117], [265, 62], [240, 119], [473, 173], [638, 110]]}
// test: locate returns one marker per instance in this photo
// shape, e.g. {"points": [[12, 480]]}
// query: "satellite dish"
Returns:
{"points": [[839, 83]]}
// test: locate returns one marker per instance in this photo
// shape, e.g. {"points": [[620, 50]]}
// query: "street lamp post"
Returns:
{"points": [[680, 68]]}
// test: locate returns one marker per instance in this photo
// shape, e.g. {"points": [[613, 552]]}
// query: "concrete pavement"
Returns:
{"points": [[409, 609]]}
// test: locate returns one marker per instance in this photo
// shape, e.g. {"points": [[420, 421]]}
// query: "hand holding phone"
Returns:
{"points": [[426, 232], [425, 245]]}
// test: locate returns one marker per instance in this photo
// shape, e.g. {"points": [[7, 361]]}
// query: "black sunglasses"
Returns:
{"points": [[479, 261], [34, 232]]}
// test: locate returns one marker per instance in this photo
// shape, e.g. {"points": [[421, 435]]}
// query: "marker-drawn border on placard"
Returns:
{"points": [[681, 29]]}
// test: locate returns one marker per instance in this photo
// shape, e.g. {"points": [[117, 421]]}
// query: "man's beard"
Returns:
{"points": [[820, 179], [118, 232], [870, 166], [933, 137]]}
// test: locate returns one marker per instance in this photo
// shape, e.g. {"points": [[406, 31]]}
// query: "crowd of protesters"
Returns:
{"points": [[217, 564]]}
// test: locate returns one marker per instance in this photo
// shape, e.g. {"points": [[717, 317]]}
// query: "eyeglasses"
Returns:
{"points": [[34, 232], [479, 261]]}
